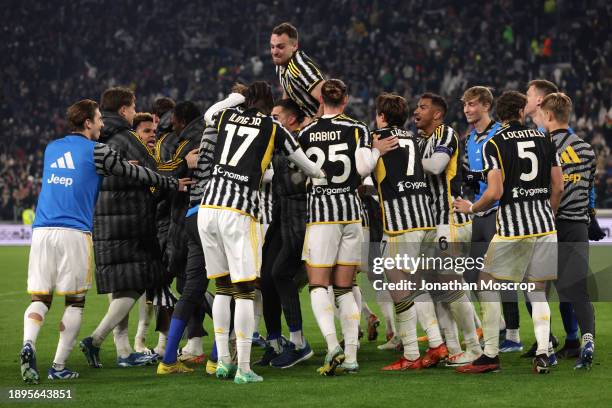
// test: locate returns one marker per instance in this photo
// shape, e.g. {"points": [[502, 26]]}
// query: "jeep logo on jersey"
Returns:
{"points": [[64, 162], [62, 181]]}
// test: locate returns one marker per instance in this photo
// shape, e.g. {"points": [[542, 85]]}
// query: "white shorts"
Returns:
{"points": [[532, 259], [407, 244], [328, 245], [365, 250], [231, 242], [447, 241], [61, 262]]}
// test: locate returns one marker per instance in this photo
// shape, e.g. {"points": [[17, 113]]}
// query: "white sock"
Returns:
{"points": [[31, 326], [477, 321], [117, 310], [297, 338], [323, 310], [463, 313], [426, 314], [221, 322], [407, 325], [70, 326], [365, 309], [194, 346], [358, 298], [161, 344], [448, 327], [121, 337], [513, 335], [502, 322], [145, 314], [332, 300], [243, 326], [257, 310], [349, 321], [541, 325], [275, 344], [383, 298], [491, 309]]}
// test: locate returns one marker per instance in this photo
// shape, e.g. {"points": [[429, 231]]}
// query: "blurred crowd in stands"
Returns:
{"points": [[55, 53]]}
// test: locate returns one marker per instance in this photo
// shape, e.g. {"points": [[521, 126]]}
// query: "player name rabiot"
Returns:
{"points": [[453, 285], [324, 136]]}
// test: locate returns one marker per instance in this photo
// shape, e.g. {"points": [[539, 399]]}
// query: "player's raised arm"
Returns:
{"points": [[109, 162], [295, 153], [233, 99]]}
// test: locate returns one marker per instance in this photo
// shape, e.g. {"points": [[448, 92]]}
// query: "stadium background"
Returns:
{"points": [[57, 52]]}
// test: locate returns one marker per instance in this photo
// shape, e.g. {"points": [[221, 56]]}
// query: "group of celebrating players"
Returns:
{"points": [[264, 188]]}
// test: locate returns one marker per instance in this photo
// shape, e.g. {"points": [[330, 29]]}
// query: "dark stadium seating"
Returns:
{"points": [[54, 55]]}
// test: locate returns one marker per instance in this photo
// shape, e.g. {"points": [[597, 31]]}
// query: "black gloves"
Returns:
{"points": [[595, 231]]}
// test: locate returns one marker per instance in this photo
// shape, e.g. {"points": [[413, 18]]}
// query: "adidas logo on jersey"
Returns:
{"points": [[64, 162]]}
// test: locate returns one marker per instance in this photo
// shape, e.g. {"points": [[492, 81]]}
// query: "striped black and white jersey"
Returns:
{"points": [[266, 203], [202, 173], [245, 144], [446, 186], [401, 183], [332, 143], [578, 163], [298, 78], [525, 158]]}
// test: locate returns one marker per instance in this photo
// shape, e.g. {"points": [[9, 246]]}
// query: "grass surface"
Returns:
{"points": [[514, 386]]}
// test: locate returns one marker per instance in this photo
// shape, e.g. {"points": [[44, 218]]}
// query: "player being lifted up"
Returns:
{"points": [[227, 220], [406, 207], [441, 162], [297, 73], [61, 253], [524, 174], [332, 247]]}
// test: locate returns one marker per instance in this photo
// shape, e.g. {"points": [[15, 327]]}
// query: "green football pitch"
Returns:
{"points": [[515, 385]]}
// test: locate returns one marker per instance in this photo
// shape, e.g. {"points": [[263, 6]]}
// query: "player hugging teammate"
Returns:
{"points": [[519, 176]]}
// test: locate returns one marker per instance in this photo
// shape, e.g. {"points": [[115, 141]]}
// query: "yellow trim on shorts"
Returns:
{"points": [[218, 207], [393, 234], [219, 275], [333, 222], [249, 279], [542, 280], [318, 265], [39, 292], [76, 292], [348, 263], [541, 234]]}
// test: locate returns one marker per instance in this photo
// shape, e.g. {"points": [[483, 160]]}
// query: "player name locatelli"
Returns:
{"points": [[453, 285]]}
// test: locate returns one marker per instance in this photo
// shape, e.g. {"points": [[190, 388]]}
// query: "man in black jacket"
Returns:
{"points": [[128, 259], [188, 126]]}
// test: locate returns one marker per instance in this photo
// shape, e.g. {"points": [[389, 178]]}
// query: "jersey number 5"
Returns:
{"points": [[523, 153], [250, 133], [333, 155]]}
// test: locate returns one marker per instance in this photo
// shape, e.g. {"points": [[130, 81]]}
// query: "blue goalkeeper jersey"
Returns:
{"points": [[70, 185]]}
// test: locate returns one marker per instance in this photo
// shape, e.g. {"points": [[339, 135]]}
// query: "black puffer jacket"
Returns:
{"points": [[172, 152], [126, 250]]}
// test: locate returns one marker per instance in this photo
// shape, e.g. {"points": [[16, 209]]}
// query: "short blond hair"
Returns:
{"points": [[483, 94], [559, 104]]}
